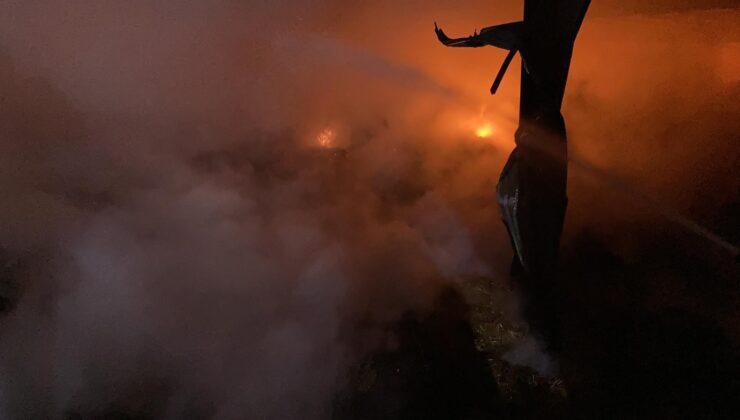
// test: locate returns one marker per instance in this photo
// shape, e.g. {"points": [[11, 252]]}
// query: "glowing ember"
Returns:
{"points": [[326, 138], [484, 131]]}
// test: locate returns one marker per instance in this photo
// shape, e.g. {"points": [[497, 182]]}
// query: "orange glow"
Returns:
{"points": [[484, 131], [728, 66], [326, 138]]}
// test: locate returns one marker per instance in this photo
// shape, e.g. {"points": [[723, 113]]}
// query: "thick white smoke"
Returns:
{"points": [[183, 247]]}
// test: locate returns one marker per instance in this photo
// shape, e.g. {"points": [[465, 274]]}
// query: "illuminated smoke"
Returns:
{"points": [[176, 246]]}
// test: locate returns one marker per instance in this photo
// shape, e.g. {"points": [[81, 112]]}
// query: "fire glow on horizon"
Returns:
{"points": [[484, 131], [326, 138]]}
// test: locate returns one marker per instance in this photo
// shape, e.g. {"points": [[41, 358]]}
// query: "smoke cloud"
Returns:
{"points": [[177, 240]]}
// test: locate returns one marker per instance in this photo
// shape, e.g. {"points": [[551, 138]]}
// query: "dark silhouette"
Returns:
{"points": [[532, 187]]}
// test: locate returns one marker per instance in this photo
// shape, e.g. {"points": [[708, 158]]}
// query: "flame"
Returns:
{"points": [[325, 138], [484, 131]]}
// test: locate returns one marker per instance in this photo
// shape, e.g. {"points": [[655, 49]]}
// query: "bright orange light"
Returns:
{"points": [[326, 138], [484, 131]]}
